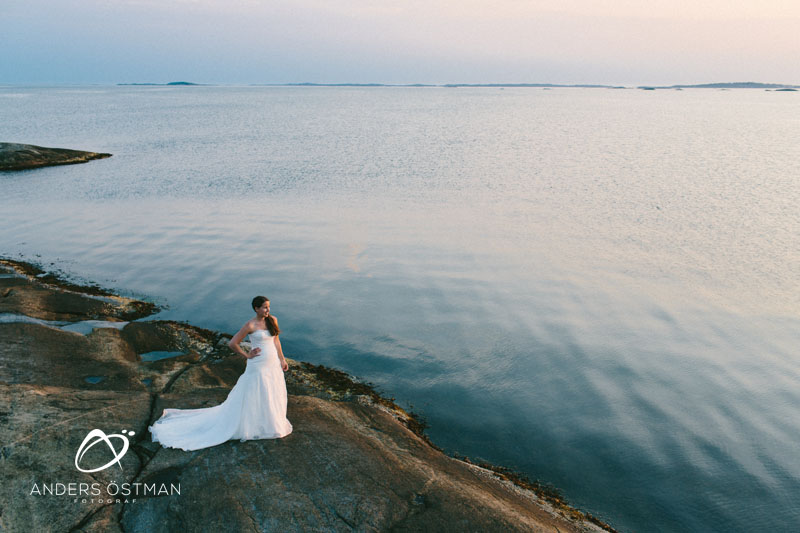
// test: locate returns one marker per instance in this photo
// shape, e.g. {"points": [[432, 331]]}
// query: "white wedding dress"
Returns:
{"points": [[255, 407]]}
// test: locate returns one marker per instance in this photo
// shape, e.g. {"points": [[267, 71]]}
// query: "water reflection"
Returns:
{"points": [[595, 287]]}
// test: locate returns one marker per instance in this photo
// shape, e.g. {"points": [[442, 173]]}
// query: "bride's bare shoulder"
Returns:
{"points": [[248, 327], [243, 332]]}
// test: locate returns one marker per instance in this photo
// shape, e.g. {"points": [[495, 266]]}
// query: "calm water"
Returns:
{"points": [[600, 288]]}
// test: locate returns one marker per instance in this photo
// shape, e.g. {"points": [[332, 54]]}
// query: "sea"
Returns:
{"points": [[597, 288]]}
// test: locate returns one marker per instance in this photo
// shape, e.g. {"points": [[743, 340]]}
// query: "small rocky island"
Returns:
{"points": [[76, 359], [15, 156]]}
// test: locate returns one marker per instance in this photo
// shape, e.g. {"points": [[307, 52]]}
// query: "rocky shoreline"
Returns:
{"points": [[74, 358], [14, 156]]}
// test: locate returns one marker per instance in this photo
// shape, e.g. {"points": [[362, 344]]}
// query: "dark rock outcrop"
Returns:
{"points": [[355, 460], [25, 156]]}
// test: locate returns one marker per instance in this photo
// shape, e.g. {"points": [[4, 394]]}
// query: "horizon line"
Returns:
{"points": [[738, 84]]}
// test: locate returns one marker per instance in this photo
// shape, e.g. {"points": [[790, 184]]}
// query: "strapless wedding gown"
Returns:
{"points": [[255, 407]]}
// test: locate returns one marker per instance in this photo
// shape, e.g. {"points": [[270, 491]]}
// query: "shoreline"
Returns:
{"points": [[204, 353]]}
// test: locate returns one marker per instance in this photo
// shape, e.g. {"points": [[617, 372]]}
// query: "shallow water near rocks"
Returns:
{"points": [[597, 288], [83, 327], [159, 355]]}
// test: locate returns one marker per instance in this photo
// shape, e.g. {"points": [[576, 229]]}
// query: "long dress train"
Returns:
{"points": [[254, 409]]}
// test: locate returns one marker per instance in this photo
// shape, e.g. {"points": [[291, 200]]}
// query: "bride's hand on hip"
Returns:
{"points": [[255, 352]]}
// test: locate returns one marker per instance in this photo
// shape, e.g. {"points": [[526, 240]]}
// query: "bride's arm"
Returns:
{"points": [[233, 344]]}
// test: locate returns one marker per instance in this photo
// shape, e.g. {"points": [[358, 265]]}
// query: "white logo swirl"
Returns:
{"points": [[96, 436]]}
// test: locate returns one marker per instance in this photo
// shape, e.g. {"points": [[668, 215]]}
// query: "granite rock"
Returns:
{"points": [[354, 462], [15, 156]]}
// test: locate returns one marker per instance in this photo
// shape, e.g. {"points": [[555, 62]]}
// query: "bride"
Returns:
{"points": [[255, 407]]}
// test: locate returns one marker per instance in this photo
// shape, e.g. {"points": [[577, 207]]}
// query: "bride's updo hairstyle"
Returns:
{"points": [[272, 325]]}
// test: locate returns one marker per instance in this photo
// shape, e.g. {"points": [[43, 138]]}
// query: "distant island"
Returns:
{"points": [[164, 84], [722, 85], [540, 85], [449, 85], [729, 85]]}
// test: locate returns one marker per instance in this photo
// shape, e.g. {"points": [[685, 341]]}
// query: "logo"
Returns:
{"points": [[96, 436], [92, 493]]}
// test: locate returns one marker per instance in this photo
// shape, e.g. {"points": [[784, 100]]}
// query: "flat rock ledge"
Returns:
{"points": [[355, 461], [26, 156]]}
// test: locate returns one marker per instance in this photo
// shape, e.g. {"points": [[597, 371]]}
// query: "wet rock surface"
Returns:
{"points": [[28, 290], [15, 156], [355, 460]]}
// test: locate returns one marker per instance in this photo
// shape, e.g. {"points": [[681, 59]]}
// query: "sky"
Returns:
{"points": [[616, 42]]}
